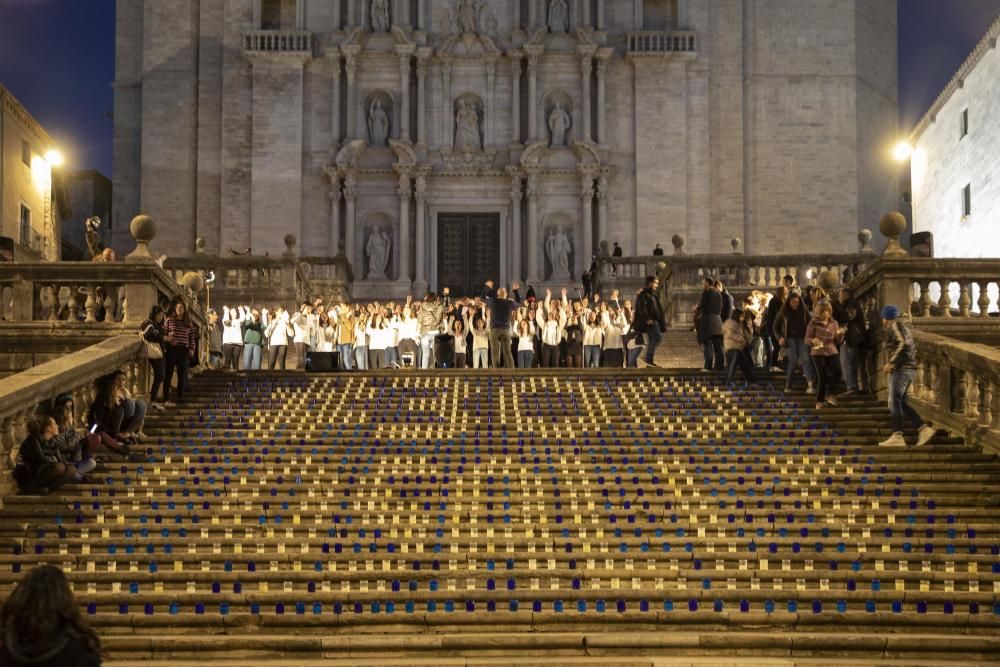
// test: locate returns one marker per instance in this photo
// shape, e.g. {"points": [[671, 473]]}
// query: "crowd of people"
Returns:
{"points": [[498, 329]]}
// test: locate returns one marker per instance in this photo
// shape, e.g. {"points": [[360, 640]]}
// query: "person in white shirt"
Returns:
{"points": [[277, 333], [302, 328], [326, 334], [614, 326], [379, 339], [361, 341], [551, 320], [525, 343], [232, 336], [478, 323], [409, 335], [593, 336]]}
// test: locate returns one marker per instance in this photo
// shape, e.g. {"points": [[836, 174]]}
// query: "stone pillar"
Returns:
{"points": [[584, 16], [300, 14], [515, 93], [350, 222], [421, 13], [533, 13], [517, 15], [602, 72], [334, 214], [337, 17], [421, 98], [491, 96], [405, 52], [446, 107], [533, 96], [532, 229], [586, 66], [600, 14], [404, 191], [602, 208], [516, 273], [352, 92], [394, 13], [587, 209], [256, 15], [420, 191], [352, 13], [334, 56]]}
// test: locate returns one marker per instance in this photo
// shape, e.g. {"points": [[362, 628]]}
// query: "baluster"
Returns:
{"points": [[964, 299], [959, 391], [91, 304], [8, 440], [972, 396], [984, 298], [994, 391], [986, 403], [932, 395], [925, 298], [918, 380], [944, 301]]}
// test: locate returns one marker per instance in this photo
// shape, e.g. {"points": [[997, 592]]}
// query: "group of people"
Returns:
{"points": [[830, 339], [498, 329]]}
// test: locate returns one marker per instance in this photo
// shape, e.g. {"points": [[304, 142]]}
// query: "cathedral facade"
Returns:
{"points": [[443, 142]]}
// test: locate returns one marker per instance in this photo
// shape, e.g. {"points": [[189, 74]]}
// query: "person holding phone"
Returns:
{"points": [[823, 336]]}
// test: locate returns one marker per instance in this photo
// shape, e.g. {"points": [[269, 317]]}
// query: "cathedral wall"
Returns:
{"points": [[127, 152], [209, 183], [236, 127]]}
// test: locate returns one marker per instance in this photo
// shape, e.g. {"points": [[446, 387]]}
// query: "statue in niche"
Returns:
{"points": [[558, 14], [380, 15], [557, 249], [468, 12], [558, 124], [378, 123], [467, 128], [377, 249]]}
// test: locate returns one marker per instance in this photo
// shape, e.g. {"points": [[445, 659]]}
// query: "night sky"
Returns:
{"points": [[57, 57]]}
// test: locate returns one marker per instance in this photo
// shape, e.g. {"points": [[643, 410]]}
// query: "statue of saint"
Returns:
{"points": [[558, 124], [467, 128], [380, 15], [377, 248], [558, 12], [557, 248], [467, 16], [378, 123]]}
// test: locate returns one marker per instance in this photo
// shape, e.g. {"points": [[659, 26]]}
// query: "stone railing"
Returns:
{"points": [[29, 393], [277, 41], [650, 42], [957, 386], [330, 277], [245, 280]]}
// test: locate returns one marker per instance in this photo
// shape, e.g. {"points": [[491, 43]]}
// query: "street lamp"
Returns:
{"points": [[902, 151], [54, 157]]}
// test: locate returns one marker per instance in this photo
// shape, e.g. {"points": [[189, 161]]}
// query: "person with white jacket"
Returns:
{"points": [[551, 320], [303, 328], [361, 341], [277, 333], [232, 335], [380, 338], [593, 336]]}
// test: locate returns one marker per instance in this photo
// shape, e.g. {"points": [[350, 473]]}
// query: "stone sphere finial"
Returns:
{"points": [[143, 229], [199, 245], [736, 242], [678, 240], [865, 239], [828, 280], [193, 281], [892, 225], [290, 242], [660, 267]]}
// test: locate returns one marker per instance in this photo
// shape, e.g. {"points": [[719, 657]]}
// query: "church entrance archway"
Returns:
{"points": [[468, 251]]}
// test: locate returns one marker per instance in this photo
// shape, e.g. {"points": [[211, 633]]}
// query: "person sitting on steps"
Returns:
{"points": [[40, 466]]}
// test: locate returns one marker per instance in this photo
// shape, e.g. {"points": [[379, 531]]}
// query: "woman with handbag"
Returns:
{"points": [[180, 340], [151, 331]]}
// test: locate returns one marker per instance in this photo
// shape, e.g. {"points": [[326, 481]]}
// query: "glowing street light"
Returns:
{"points": [[54, 158], [902, 151]]}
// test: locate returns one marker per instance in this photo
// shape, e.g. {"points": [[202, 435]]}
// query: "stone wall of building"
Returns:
{"points": [[713, 119], [945, 161]]}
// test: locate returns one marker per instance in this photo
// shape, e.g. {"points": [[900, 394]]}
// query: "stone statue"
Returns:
{"points": [[557, 248], [558, 124], [377, 248], [380, 15], [558, 12], [467, 13], [378, 124], [467, 128]]}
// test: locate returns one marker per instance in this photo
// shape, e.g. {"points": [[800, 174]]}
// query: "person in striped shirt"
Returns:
{"points": [[180, 349]]}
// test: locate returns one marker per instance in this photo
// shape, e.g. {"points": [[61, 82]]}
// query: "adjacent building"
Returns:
{"points": [[955, 165], [32, 200], [89, 193], [443, 142]]}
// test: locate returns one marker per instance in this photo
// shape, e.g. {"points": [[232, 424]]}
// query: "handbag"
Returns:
{"points": [[150, 350]]}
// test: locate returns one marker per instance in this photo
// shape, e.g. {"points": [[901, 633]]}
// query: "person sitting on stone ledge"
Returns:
{"points": [[40, 467], [106, 414], [76, 445], [42, 625]]}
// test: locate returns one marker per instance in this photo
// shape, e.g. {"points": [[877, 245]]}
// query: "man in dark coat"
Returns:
{"points": [[649, 319], [727, 301], [710, 326], [617, 251]]}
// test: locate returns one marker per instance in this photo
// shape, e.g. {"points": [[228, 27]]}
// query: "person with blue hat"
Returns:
{"points": [[901, 366]]}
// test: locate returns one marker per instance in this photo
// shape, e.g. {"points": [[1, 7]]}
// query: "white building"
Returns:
{"points": [[955, 166]]}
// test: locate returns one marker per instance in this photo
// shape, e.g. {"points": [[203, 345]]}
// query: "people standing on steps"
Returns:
{"points": [[551, 319], [153, 332], [790, 330], [279, 330], [727, 301], [901, 367], [214, 340], [501, 308], [767, 326], [648, 318], [736, 336], [253, 339], [708, 323], [181, 345], [823, 336], [593, 336], [232, 337], [429, 319], [345, 319], [853, 349], [303, 332]]}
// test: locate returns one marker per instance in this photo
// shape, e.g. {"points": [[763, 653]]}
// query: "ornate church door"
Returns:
{"points": [[468, 251]]}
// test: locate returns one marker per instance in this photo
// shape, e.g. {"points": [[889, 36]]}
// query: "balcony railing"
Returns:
{"points": [[655, 42], [277, 42]]}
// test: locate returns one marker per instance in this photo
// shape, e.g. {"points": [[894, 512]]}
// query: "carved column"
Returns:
{"points": [[352, 19], [256, 15], [491, 111], [336, 16], [602, 208], [394, 13], [405, 52], [533, 96], [533, 13], [333, 55], [600, 14], [352, 92], [515, 93], [586, 66], [350, 222], [404, 191], [334, 213], [421, 13], [532, 228], [587, 209], [420, 284], [446, 106], [515, 228], [602, 71], [300, 15], [421, 98], [584, 20]]}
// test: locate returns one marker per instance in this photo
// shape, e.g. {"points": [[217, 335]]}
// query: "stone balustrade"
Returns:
{"points": [[330, 277], [957, 386], [246, 279], [277, 41], [650, 42], [28, 393]]}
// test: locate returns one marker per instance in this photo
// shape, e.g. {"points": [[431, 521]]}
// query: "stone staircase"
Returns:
{"points": [[573, 518], [679, 349]]}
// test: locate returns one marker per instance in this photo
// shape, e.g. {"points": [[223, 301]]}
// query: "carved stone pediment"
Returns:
{"points": [[468, 160], [405, 154], [469, 45], [582, 155], [347, 157]]}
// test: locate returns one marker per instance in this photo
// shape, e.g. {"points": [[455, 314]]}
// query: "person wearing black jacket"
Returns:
{"points": [[767, 326], [855, 341], [727, 301], [40, 466], [790, 330], [501, 313], [710, 326], [648, 318], [153, 332]]}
